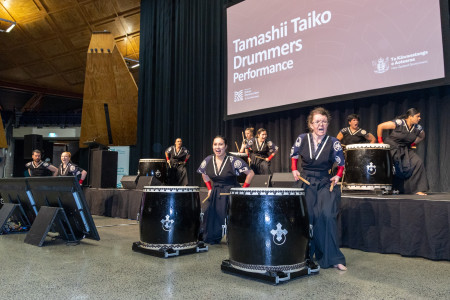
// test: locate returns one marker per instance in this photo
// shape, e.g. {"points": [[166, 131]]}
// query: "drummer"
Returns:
{"points": [[353, 134], [410, 176], [318, 152], [249, 133], [222, 170], [260, 152], [177, 157]]}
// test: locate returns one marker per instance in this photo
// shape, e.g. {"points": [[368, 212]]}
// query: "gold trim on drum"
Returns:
{"points": [[171, 189], [366, 187], [152, 160], [267, 191], [368, 146], [264, 269]]}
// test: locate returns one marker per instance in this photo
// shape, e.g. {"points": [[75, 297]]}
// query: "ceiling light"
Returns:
{"points": [[10, 25]]}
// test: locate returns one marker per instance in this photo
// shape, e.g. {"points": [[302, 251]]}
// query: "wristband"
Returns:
{"points": [[380, 140], [294, 162], [80, 181], [208, 185], [246, 185], [271, 156], [340, 171], [185, 161], [413, 145]]}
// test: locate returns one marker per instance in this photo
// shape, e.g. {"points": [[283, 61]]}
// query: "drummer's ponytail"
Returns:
{"points": [[409, 113]]}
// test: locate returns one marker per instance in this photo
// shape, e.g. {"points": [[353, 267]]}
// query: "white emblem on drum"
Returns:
{"points": [[203, 165], [399, 122], [279, 235], [371, 169], [337, 159], [237, 164], [298, 142], [337, 146], [167, 223]]}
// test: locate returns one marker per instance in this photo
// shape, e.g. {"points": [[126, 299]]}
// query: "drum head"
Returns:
{"points": [[238, 154], [267, 191], [368, 146], [171, 189], [144, 160]]}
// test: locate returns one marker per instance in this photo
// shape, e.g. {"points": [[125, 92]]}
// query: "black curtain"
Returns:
{"points": [[182, 90]]}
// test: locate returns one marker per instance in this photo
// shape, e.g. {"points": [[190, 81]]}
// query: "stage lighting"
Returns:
{"points": [[6, 25]]}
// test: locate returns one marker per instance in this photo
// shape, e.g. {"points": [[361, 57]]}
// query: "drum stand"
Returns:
{"points": [[274, 277], [166, 252]]}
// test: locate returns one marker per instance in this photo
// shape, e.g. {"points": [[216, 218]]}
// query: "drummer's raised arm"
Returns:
{"points": [[371, 138], [384, 126], [249, 177]]}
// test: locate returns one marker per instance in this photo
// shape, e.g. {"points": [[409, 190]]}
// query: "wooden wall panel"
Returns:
{"points": [[109, 81], [3, 143]]}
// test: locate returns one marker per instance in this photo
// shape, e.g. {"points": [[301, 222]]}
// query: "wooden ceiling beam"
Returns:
{"points": [[44, 91]]}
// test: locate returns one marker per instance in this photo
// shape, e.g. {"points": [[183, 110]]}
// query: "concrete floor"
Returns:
{"points": [[109, 269]]}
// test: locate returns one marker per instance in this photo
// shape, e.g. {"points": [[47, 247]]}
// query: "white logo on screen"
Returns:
{"points": [[381, 65], [239, 96]]}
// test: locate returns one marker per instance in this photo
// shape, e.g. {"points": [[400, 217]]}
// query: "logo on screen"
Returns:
{"points": [[381, 65], [239, 96]]}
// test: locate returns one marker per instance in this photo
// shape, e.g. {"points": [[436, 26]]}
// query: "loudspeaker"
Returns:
{"points": [[32, 142], [285, 180], [129, 182], [261, 181], [103, 169], [147, 181]]}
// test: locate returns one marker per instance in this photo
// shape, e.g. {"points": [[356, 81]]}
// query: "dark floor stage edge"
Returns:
{"points": [[409, 225]]}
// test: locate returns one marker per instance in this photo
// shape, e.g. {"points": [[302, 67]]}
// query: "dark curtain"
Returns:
{"points": [[182, 90]]}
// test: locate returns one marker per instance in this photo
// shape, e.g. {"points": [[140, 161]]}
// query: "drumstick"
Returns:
{"points": [[332, 186], [205, 199], [237, 147], [225, 194], [243, 138], [304, 180], [260, 157]]}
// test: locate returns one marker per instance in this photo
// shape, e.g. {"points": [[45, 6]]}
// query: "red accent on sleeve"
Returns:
{"points": [[294, 162], [246, 185], [340, 171], [208, 185]]}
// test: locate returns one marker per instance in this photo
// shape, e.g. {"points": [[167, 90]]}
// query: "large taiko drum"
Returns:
{"points": [[368, 167], [268, 229], [243, 156], [153, 167], [169, 217]]}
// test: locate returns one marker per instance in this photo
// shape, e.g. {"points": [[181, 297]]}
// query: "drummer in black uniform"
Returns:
{"points": [[177, 157], [67, 168], [37, 167], [353, 134], [249, 132], [261, 151]]}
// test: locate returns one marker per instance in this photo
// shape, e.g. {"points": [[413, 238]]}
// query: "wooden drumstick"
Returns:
{"points": [[243, 138], [304, 180], [224, 194], [237, 147], [205, 199], [332, 186], [260, 157]]}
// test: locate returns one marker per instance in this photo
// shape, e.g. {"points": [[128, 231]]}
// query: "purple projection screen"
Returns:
{"points": [[283, 52]]}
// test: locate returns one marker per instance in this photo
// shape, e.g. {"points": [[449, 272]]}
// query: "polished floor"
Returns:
{"points": [[109, 269]]}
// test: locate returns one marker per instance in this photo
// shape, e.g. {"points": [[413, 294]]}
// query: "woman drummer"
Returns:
{"points": [[67, 168], [249, 132], [177, 157], [353, 134], [260, 152], [222, 170], [318, 152], [410, 176]]}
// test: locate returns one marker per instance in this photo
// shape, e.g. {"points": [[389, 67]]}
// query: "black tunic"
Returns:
{"points": [[258, 152], [41, 169], [357, 137], [70, 170], [410, 176], [323, 205], [223, 180], [177, 170]]}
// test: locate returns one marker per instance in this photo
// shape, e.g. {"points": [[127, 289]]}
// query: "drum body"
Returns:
{"points": [[243, 156], [368, 167], [268, 229], [169, 217], [153, 167]]}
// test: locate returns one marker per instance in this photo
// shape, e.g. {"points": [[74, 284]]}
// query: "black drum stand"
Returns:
{"points": [[168, 250], [274, 277]]}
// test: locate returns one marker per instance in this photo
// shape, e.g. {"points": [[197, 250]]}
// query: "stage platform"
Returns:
{"points": [[409, 225]]}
